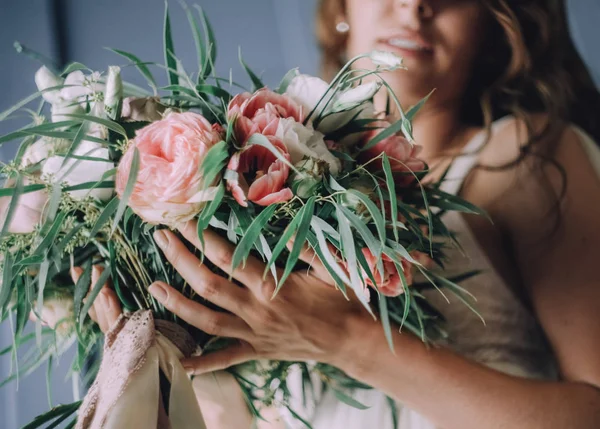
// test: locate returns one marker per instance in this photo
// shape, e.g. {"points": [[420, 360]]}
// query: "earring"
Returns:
{"points": [[342, 27]]}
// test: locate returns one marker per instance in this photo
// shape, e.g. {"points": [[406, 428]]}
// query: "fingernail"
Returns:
{"points": [[158, 291], [161, 238]]}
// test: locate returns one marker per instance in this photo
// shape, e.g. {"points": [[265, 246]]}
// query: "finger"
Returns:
{"points": [[220, 252], [308, 255], [207, 284], [100, 304], [112, 306], [212, 322], [220, 359]]}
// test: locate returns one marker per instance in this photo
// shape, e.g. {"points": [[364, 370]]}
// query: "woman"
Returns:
{"points": [[509, 90]]}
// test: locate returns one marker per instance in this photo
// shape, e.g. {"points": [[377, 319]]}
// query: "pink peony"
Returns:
{"points": [[259, 113], [28, 212], [389, 282], [257, 175], [169, 185], [402, 155]]}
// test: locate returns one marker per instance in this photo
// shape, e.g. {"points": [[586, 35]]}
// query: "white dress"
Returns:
{"points": [[511, 341]]}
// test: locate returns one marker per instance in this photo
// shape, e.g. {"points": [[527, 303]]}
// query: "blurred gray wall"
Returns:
{"points": [[275, 36]]}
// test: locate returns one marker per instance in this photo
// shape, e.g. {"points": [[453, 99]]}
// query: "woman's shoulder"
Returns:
{"points": [[531, 177]]}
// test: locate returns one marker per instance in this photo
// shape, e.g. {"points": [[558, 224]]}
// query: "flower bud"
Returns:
{"points": [[309, 177], [387, 60], [113, 93], [352, 202], [356, 96]]}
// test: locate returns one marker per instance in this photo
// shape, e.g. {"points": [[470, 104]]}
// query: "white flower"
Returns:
{"points": [[78, 171], [301, 141], [78, 90], [307, 90], [44, 79], [78, 86], [387, 59], [356, 96], [336, 113], [39, 151]]}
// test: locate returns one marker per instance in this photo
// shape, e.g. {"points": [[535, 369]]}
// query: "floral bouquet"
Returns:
{"points": [[106, 163]]}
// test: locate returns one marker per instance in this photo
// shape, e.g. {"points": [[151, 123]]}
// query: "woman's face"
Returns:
{"points": [[438, 39]]}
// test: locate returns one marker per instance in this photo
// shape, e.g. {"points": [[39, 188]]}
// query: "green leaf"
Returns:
{"points": [[302, 219], [131, 181], [214, 90], [299, 417], [261, 140], [74, 66], [12, 207], [24, 50], [375, 246], [324, 248], [143, 68], [81, 133], [198, 40], [348, 400], [169, 50], [393, 129], [374, 211], [42, 279], [207, 213], [82, 287], [58, 411], [256, 82], [93, 294], [92, 185], [410, 114], [7, 280], [385, 321], [49, 238], [7, 192], [211, 44], [391, 187], [349, 252], [287, 79], [243, 248], [214, 163], [111, 125], [36, 130], [104, 217]]}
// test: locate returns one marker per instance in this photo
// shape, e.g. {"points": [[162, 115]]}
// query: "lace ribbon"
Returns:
{"points": [[126, 392]]}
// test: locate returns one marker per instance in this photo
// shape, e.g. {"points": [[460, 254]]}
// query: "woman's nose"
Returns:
{"points": [[419, 9]]}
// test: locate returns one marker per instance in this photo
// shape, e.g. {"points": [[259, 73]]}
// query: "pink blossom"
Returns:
{"points": [[257, 175], [169, 188]]}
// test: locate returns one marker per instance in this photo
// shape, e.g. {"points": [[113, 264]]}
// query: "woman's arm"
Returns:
{"points": [[308, 320], [558, 264]]}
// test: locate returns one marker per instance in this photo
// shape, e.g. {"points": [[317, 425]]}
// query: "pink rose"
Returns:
{"points": [[401, 153], [259, 113], [389, 282], [28, 212], [169, 185], [257, 175]]}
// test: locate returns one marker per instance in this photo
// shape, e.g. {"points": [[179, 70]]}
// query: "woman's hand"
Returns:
{"points": [[307, 320]]}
